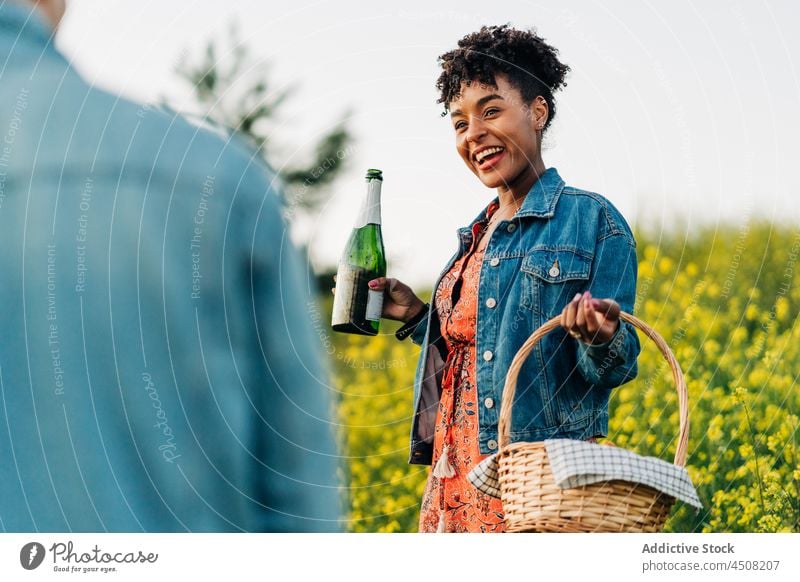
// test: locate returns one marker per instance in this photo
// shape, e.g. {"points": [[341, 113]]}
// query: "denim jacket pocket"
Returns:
{"points": [[552, 277]]}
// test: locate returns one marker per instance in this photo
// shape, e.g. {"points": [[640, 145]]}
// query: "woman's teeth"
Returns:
{"points": [[486, 153]]}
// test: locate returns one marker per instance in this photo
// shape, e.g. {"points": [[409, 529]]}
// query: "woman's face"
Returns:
{"points": [[497, 133]]}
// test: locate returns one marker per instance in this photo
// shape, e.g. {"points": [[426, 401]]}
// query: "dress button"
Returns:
{"points": [[487, 355], [490, 303], [494, 262], [554, 271], [488, 403], [511, 227], [492, 444]]}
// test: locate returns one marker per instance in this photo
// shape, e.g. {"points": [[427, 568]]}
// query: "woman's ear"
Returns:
{"points": [[539, 113]]}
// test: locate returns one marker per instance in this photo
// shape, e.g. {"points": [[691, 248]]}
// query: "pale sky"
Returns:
{"points": [[681, 113]]}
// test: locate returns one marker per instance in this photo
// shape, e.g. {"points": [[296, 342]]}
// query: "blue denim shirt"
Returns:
{"points": [[562, 241], [159, 370]]}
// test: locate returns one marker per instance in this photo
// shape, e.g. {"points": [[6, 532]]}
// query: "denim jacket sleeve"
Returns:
{"points": [[613, 363]]}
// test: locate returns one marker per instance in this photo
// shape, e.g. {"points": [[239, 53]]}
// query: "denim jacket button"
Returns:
{"points": [[488, 403], [487, 355], [490, 303], [511, 227], [492, 444], [494, 262]]}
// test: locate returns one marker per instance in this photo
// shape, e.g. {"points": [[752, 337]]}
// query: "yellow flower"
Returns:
{"points": [[666, 266], [739, 394], [782, 309]]}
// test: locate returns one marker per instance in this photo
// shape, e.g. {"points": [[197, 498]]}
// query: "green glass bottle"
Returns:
{"points": [[356, 307]]}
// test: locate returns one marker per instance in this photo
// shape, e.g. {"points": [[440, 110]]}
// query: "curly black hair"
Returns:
{"points": [[531, 65]]}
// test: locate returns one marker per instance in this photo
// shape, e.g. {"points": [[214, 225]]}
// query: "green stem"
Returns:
{"points": [[755, 452], [795, 481]]}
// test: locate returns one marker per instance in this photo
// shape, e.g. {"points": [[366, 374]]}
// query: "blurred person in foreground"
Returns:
{"points": [[157, 364]]}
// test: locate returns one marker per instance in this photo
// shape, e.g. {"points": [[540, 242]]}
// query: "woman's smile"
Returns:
{"points": [[487, 158]]}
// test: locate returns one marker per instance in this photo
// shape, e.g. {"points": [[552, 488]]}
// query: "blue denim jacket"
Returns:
{"points": [[158, 367], [562, 241]]}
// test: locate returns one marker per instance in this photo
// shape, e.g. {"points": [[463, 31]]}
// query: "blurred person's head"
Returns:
{"points": [[53, 10]]}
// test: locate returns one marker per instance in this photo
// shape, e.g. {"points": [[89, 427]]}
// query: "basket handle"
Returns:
{"points": [[504, 426]]}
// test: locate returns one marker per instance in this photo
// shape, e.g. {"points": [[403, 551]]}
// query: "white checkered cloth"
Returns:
{"points": [[575, 463]]}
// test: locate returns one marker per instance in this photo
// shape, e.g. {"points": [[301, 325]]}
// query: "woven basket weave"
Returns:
{"points": [[531, 500]]}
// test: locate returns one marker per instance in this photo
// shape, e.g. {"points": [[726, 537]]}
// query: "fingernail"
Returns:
{"points": [[373, 284], [577, 296]]}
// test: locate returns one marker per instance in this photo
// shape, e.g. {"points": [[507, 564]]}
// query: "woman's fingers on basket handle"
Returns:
{"points": [[590, 320], [602, 318], [606, 307]]}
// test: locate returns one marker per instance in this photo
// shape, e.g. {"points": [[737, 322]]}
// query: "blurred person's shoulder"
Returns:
{"points": [[94, 126], [69, 124], [185, 148], [192, 145], [74, 129]]}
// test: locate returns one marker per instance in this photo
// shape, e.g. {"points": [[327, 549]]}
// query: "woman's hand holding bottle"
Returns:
{"points": [[400, 303]]}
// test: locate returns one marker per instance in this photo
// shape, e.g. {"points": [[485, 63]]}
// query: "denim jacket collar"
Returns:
{"points": [[540, 202], [26, 22], [543, 196]]}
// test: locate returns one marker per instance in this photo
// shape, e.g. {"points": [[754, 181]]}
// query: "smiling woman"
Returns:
{"points": [[539, 249]]}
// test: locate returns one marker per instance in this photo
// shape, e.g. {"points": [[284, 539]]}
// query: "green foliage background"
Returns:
{"points": [[726, 300]]}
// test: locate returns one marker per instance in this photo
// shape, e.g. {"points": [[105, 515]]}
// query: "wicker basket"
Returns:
{"points": [[531, 500]]}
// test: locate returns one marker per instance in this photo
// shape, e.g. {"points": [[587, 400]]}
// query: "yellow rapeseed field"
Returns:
{"points": [[726, 301]]}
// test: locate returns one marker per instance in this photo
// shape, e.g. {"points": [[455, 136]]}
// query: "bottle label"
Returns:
{"points": [[342, 301], [370, 212], [374, 305]]}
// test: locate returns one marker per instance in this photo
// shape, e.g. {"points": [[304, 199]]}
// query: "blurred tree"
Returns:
{"points": [[234, 91]]}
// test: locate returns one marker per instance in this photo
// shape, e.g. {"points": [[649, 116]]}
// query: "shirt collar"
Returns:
{"points": [[25, 22]]}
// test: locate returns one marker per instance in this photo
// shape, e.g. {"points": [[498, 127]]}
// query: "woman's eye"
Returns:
{"points": [[491, 111], [460, 125]]}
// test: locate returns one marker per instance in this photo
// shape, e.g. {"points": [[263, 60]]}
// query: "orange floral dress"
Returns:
{"points": [[452, 504]]}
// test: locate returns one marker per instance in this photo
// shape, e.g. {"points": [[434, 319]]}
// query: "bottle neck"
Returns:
{"points": [[371, 208]]}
